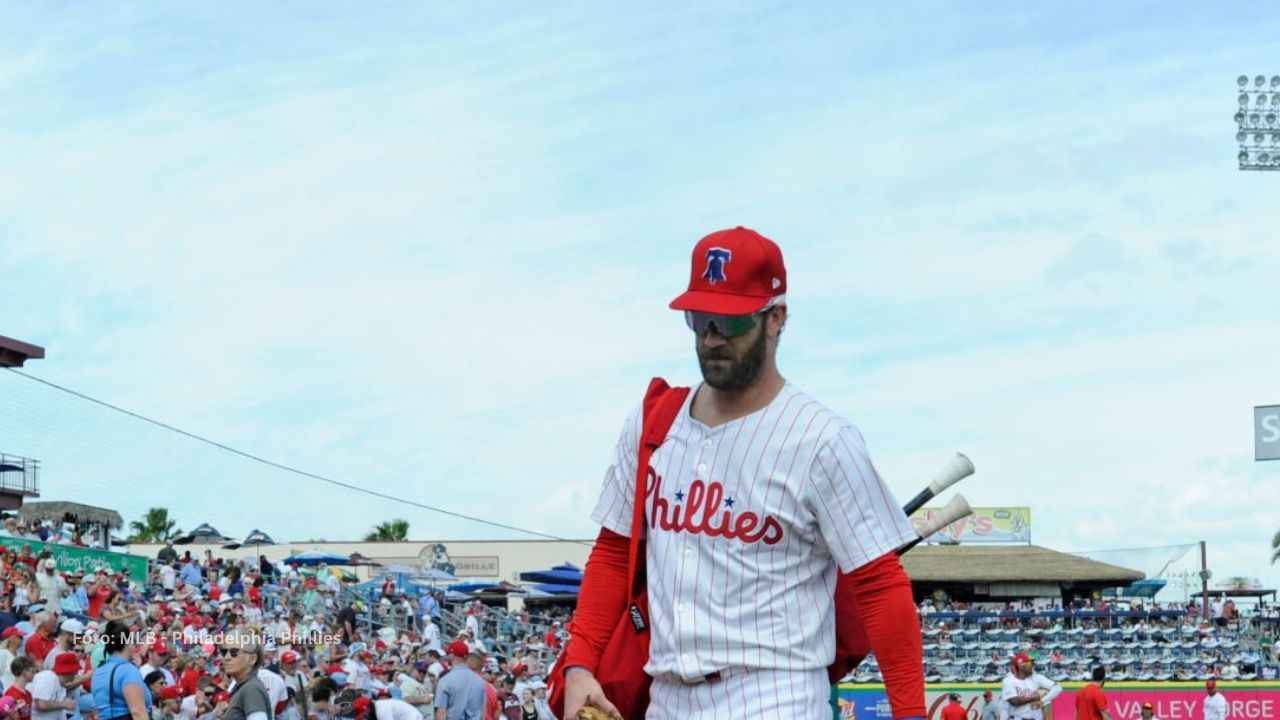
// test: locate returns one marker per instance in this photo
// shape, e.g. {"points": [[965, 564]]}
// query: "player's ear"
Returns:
{"points": [[776, 320]]}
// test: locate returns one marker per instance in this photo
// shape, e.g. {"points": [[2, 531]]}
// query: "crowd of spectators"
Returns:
{"points": [[95, 644], [1132, 639]]}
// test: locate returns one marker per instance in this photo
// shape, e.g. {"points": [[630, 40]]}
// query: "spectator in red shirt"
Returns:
{"points": [[552, 638], [99, 593], [24, 671], [42, 640], [1091, 702], [26, 558], [954, 710]]}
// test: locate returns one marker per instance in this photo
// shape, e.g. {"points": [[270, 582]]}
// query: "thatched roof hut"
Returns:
{"points": [[69, 512], [1009, 571]]}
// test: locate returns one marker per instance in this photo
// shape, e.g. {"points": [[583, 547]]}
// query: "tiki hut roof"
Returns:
{"points": [[69, 512], [1009, 563]]}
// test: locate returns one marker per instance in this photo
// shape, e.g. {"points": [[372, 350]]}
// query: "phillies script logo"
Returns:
{"points": [[705, 510]]}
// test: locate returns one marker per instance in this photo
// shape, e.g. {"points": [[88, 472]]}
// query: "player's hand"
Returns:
{"points": [[582, 689]]}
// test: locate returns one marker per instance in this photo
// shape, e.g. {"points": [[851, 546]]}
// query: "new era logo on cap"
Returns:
{"points": [[735, 272]]}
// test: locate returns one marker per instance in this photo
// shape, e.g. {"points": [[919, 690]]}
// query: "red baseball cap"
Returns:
{"points": [[458, 649], [1211, 685], [1021, 658], [288, 656], [11, 631], [734, 272], [160, 647]]}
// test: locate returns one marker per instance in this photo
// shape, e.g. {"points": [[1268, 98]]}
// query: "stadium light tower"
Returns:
{"points": [[1258, 122]]}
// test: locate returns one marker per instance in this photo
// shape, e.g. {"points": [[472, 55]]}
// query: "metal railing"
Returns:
{"points": [[19, 474]]}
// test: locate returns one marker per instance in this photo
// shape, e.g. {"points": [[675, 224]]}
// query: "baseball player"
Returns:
{"points": [[1215, 705], [1021, 694], [758, 498]]}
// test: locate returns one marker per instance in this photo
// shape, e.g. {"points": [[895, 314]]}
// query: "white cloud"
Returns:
{"points": [[430, 253]]}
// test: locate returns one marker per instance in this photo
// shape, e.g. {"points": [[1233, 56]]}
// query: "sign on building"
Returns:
{"points": [[985, 525], [1266, 432]]}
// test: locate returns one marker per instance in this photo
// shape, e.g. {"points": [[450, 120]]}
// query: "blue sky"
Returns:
{"points": [[427, 248]]}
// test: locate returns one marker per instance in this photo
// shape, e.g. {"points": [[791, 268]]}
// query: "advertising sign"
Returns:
{"points": [[1266, 432], [1169, 700], [71, 558], [985, 525]]}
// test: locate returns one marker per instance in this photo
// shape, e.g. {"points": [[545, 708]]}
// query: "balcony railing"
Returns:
{"points": [[19, 475]]}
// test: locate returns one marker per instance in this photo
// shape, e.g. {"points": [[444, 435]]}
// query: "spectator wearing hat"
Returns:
{"points": [[76, 602], [52, 586], [990, 706], [42, 641], [520, 679], [358, 675], [1148, 712], [1025, 692], [69, 632], [10, 641], [1215, 705], [414, 687], [295, 679], [430, 633], [461, 693], [158, 659], [24, 669], [49, 700]]}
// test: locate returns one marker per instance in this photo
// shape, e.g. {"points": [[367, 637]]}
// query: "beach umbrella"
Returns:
{"points": [[204, 534]]}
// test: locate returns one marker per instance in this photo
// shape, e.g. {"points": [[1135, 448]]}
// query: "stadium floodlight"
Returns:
{"points": [[1258, 122]]}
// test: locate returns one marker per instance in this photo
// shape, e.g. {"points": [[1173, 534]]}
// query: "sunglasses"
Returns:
{"points": [[230, 652], [725, 325]]}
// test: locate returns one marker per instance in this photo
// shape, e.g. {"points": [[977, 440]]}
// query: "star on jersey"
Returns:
{"points": [[728, 502], [680, 495]]}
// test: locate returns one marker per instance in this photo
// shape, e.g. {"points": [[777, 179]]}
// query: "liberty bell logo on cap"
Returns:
{"points": [[733, 272], [717, 258]]}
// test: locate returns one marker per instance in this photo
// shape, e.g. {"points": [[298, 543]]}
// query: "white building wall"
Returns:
{"points": [[493, 560]]}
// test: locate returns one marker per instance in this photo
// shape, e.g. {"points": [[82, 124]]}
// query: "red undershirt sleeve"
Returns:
{"points": [[882, 596], [601, 601]]}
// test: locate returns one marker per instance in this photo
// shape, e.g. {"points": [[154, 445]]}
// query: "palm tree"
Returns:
{"points": [[155, 526], [391, 531]]}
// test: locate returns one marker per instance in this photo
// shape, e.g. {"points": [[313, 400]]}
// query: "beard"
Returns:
{"points": [[739, 372]]}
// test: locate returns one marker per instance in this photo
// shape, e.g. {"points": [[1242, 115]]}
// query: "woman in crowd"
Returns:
{"points": [[241, 659], [114, 610], [118, 690]]}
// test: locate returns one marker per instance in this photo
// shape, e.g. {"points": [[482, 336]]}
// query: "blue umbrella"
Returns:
{"points": [[565, 574], [558, 589], [471, 586]]}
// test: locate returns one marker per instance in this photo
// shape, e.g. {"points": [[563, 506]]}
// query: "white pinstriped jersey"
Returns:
{"points": [[746, 523]]}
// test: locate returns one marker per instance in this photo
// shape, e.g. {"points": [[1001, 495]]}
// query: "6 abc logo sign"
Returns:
{"points": [[1266, 432]]}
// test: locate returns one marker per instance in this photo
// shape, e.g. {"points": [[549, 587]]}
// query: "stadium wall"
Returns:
{"points": [[1170, 700]]}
